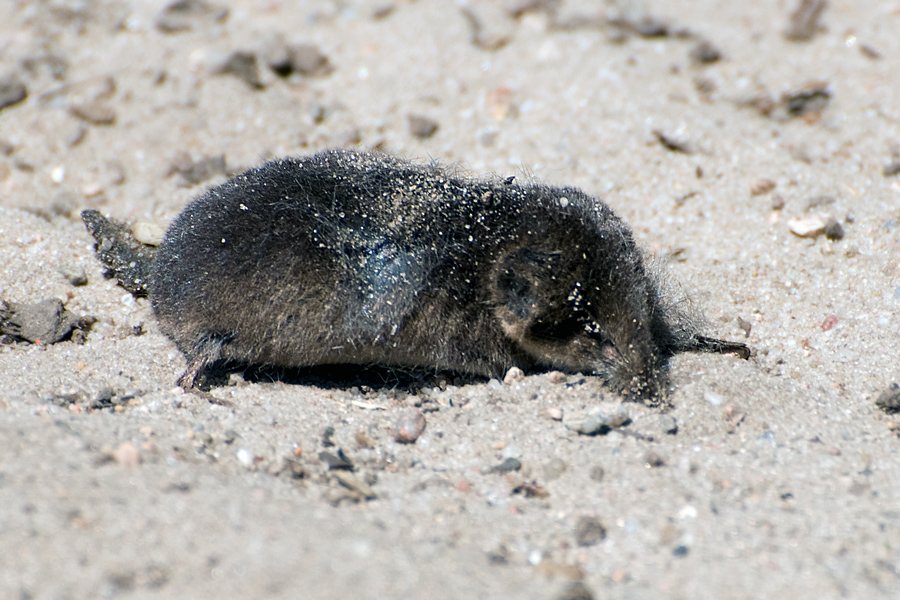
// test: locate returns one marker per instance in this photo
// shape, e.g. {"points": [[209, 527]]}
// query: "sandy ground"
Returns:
{"points": [[783, 479]]}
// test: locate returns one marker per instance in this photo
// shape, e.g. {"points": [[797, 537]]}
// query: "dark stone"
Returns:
{"points": [[45, 322], [834, 231], [704, 53], [242, 65], [422, 127], [507, 466], [12, 91], [184, 15], [889, 399], [589, 531]]}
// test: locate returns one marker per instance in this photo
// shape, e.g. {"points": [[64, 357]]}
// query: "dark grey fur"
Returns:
{"points": [[359, 258]]}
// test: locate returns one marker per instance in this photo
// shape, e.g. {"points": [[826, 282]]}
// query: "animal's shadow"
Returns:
{"points": [[336, 377]]}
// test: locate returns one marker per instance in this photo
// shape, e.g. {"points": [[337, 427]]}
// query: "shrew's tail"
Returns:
{"points": [[126, 259]]}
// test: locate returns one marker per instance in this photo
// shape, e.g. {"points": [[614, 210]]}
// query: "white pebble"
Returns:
{"points": [[147, 233], [807, 226], [245, 457], [511, 451], [514, 375], [713, 398]]}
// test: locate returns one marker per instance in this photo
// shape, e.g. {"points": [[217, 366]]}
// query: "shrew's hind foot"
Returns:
{"points": [[197, 367]]}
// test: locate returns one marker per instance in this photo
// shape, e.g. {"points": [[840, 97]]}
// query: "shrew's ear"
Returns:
{"points": [[523, 281]]}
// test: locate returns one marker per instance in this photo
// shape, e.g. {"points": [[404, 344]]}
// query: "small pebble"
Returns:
{"points": [[766, 437], [705, 53], [808, 101], [507, 466], [829, 322], [76, 136], [422, 127], [383, 10], [12, 91], [276, 54], [589, 531], [182, 15], [649, 26], [804, 21], [479, 35], [713, 398], [95, 113], [733, 416], [556, 377], [292, 467], [73, 273], [244, 66], [511, 451], [336, 462], [46, 322], [870, 51], [351, 482], [834, 231], [308, 60], [554, 468], [555, 413], [501, 103], [327, 436], [500, 556], [514, 375], [807, 226], [236, 380], [126, 455], [91, 189], [409, 426], [148, 233], [762, 186], [672, 143], [653, 460], [680, 551], [599, 419], [245, 457], [517, 8], [889, 399]]}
